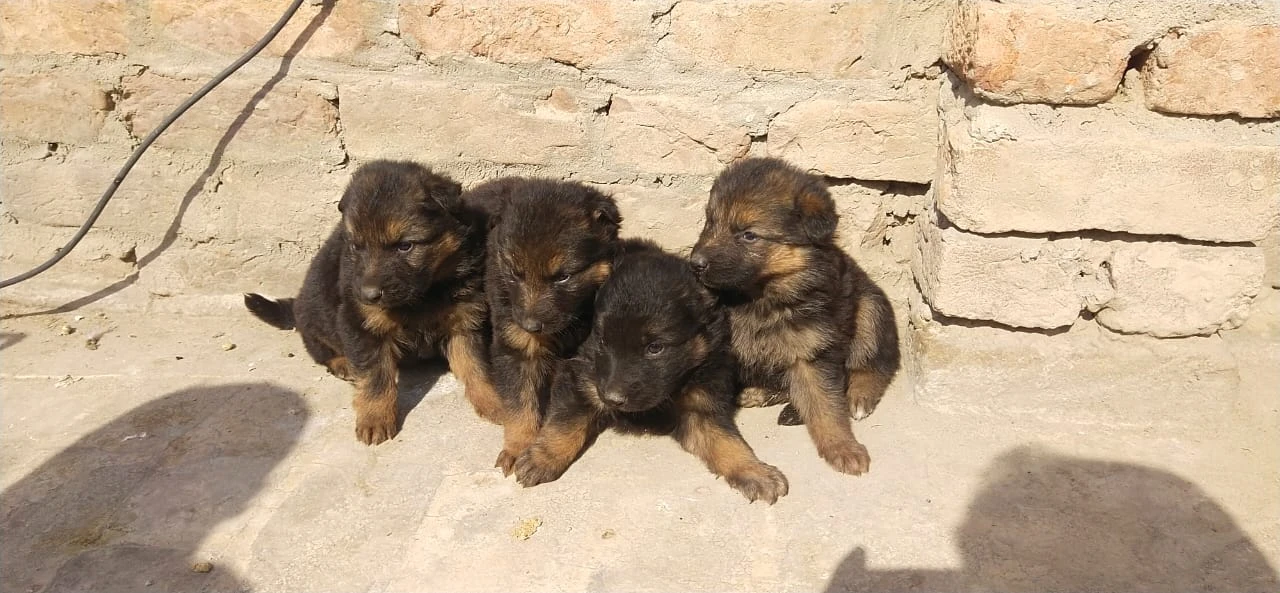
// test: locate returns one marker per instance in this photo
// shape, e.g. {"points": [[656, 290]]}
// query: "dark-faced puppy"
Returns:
{"points": [[402, 276], [657, 362], [808, 326], [550, 248]]}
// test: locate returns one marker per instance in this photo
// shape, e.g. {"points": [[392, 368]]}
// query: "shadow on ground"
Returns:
{"points": [[1049, 522], [126, 507]]}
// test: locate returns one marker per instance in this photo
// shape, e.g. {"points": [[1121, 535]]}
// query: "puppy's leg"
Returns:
{"points": [[874, 357], [558, 444], [757, 397], [523, 412], [375, 400], [825, 412], [711, 435], [467, 360]]}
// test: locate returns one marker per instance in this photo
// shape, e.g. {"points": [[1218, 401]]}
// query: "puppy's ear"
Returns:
{"points": [[346, 199], [604, 212], [440, 189], [816, 213]]}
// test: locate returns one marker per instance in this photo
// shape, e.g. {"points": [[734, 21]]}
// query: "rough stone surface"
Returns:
{"points": [[53, 107], [1035, 54], [295, 120], [1218, 68], [130, 463], [445, 123], [671, 135], [582, 34], [1173, 290], [232, 26], [1037, 169], [885, 140], [815, 38], [64, 26], [1160, 288]]}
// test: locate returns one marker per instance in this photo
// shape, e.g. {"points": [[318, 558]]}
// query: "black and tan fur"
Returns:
{"points": [[401, 277], [808, 326], [550, 248], [657, 362]]}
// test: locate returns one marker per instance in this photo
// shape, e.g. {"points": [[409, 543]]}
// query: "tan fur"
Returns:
{"points": [[531, 345], [557, 446], [828, 426], [867, 328], [520, 426], [774, 343], [379, 321], [597, 273], [865, 390], [465, 360], [341, 368], [726, 453], [756, 397], [375, 400]]}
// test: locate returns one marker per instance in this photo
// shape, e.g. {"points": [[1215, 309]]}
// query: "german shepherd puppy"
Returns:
{"points": [[402, 276], [807, 324], [551, 245], [657, 362]]}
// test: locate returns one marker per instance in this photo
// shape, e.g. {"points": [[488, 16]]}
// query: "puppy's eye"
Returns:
{"points": [[654, 349], [404, 247], [562, 278], [748, 237], [355, 248]]}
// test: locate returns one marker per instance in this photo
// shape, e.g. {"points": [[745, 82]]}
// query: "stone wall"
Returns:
{"points": [[1018, 167]]}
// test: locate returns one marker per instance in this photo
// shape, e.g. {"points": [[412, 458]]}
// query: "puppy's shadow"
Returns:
{"points": [[416, 381], [8, 339]]}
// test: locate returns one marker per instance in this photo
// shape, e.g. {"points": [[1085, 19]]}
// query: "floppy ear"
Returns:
{"points": [[815, 212], [442, 190], [604, 212]]}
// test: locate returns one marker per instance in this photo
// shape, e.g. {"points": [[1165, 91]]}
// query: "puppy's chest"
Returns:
{"points": [[774, 339]]}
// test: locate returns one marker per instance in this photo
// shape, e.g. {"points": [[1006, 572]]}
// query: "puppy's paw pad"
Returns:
{"points": [[760, 481], [850, 458]]}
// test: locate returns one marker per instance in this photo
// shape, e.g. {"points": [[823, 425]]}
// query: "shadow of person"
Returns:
{"points": [[1050, 522], [126, 507]]}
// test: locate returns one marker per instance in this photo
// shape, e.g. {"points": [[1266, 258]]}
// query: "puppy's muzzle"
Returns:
{"points": [[698, 261], [371, 294]]}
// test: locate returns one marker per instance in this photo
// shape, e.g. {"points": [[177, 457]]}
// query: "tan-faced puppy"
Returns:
{"points": [[402, 276], [808, 326], [551, 245], [657, 362]]}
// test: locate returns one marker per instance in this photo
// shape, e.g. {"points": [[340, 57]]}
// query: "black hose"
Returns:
{"points": [[146, 143]]}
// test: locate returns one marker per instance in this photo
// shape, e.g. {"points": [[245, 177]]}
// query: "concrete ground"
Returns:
{"points": [[127, 464]]}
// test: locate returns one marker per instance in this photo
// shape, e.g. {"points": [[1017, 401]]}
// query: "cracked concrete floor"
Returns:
{"points": [[126, 465]]}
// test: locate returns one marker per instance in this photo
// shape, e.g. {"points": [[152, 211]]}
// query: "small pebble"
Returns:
{"points": [[91, 343], [177, 358], [79, 317], [525, 529], [202, 567], [608, 534], [228, 346], [67, 330]]}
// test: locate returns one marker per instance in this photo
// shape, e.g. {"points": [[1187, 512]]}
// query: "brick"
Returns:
{"points": [[1032, 54], [294, 120], [671, 216], [876, 140], [817, 38], [1173, 290], [1032, 168], [1085, 377], [53, 107], [232, 26], [669, 135], [63, 26], [1028, 282], [1218, 68], [583, 34], [445, 123]]}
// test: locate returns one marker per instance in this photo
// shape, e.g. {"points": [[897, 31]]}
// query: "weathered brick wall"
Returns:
{"points": [[1024, 165]]}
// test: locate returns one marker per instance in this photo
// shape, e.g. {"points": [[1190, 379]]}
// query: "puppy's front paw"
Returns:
{"points": [[506, 461], [848, 457], [759, 481], [535, 466], [863, 406], [373, 428]]}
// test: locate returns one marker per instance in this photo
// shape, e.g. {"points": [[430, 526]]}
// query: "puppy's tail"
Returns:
{"points": [[278, 314]]}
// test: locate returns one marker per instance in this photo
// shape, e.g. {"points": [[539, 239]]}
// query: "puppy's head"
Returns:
{"points": [[551, 246], [403, 227], [763, 219], [652, 329]]}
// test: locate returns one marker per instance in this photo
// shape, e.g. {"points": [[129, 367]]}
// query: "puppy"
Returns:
{"points": [[658, 362], [550, 248], [807, 324], [402, 276]]}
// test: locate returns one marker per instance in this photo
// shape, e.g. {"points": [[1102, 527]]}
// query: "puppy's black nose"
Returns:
{"points": [[613, 397], [698, 262], [371, 294], [531, 325]]}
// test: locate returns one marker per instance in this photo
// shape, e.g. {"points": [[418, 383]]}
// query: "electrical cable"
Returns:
{"points": [[146, 143]]}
